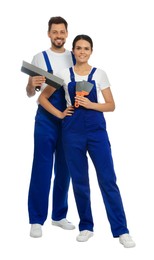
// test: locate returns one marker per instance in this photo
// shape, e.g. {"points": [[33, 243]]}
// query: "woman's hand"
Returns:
{"points": [[107, 106], [68, 112], [84, 102]]}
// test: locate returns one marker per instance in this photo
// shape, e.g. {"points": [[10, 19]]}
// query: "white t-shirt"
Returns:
{"points": [[59, 61], [99, 76]]}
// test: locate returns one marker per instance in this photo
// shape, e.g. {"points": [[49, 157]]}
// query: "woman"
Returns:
{"points": [[84, 130]]}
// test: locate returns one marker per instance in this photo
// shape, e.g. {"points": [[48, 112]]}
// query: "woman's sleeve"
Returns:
{"points": [[102, 79]]}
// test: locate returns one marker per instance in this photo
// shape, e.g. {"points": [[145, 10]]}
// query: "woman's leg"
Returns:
{"points": [[75, 152], [100, 153]]}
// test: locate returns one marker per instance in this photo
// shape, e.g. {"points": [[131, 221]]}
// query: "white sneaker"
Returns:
{"points": [[126, 241], [63, 223], [84, 236], [36, 230]]}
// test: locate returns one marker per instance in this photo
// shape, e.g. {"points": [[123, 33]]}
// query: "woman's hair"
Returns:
{"points": [[82, 37]]}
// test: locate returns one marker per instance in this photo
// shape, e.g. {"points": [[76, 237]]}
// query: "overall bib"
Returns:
{"points": [[85, 131], [47, 143]]}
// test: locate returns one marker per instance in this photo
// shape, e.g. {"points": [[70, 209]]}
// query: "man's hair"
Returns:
{"points": [[57, 20]]}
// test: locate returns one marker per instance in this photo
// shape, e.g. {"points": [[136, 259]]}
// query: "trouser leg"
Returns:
{"points": [[61, 183], [44, 147], [75, 150], [100, 153]]}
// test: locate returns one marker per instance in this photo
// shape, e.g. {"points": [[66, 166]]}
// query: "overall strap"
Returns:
{"points": [[48, 64], [72, 77], [91, 74], [73, 58]]}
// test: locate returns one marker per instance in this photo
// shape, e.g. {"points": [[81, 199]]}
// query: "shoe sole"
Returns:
{"points": [[91, 235], [129, 246], [62, 226], [31, 235]]}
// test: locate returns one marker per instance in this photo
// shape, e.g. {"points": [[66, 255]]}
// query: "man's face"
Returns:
{"points": [[58, 35]]}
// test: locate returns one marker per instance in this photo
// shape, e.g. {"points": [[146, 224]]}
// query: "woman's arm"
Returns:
{"points": [[108, 106], [44, 102]]}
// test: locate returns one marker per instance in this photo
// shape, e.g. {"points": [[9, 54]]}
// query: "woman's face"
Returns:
{"points": [[82, 51]]}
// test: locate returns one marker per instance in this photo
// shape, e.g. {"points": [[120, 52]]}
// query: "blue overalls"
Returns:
{"points": [[86, 131], [47, 142]]}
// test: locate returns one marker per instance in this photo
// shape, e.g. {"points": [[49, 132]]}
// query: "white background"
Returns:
{"points": [[122, 32]]}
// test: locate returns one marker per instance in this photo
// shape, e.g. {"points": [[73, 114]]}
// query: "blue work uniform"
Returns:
{"points": [[86, 131], [47, 143]]}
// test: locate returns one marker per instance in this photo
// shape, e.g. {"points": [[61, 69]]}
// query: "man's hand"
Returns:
{"points": [[34, 82]]}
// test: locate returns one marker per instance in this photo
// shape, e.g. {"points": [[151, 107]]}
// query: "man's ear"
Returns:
{"points": [[67, 34]]}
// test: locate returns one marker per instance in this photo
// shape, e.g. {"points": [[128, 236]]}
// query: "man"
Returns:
{"points": [[47, 138]]}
